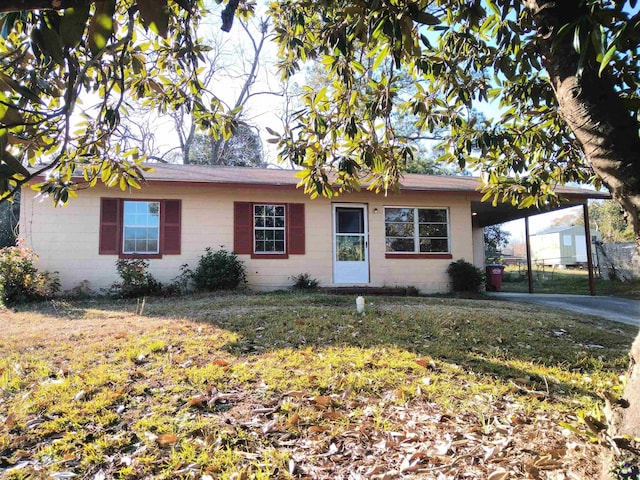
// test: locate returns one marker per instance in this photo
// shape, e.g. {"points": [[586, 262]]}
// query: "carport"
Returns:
{"points": [[485, 214]]}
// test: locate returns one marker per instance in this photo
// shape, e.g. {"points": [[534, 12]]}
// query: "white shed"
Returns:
{"points": [[562, 246]]}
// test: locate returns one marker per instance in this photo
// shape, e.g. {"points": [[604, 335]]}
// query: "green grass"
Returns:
{"points": [[569, 281], [288, 385]]}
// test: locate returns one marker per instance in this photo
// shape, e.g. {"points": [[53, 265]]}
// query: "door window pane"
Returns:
{"points": [[350, 248], [349, 220]]}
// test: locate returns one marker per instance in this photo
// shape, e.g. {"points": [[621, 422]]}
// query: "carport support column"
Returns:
{"points": [[587, 237], [528, 247]]}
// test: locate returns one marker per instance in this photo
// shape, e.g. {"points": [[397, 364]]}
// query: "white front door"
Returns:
{"points": [[350, 243]]}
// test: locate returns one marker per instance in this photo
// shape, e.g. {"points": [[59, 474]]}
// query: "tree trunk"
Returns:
{"points": [[608, 134]]}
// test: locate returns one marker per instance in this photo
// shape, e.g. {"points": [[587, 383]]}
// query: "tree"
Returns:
{"points": [[243, 145], [562, 72], [68, 68], [242, 149], [495, 237], [607, 217]]}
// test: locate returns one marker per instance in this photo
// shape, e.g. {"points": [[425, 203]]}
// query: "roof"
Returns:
{"points": [[484, 213], [559, 229], [165, 172]]}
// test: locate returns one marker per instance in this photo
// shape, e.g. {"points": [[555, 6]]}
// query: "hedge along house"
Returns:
{"points": [[355, 239]]}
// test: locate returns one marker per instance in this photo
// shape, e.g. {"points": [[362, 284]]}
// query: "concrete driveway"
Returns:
{"points": [[616, 309]]}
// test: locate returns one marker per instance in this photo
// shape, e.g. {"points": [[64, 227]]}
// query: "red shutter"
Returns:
{"points": [[243, 227], [171, 231], [296, 230], [110, 231]]}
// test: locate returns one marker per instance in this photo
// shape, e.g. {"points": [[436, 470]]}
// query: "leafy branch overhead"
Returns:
{"points": [[68, 73], [560, 78]]}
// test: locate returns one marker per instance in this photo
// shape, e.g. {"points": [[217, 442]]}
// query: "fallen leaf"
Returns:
{"points": [[318, 429], [100, 475], [167, 439], [270, 427], [221, 363], [63, 475], [197, 401], [10, 420], [322, 401], [331, 415], [500, 474], [293, 420], [423, 362]]}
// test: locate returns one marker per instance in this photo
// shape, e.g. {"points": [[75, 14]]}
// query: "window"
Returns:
{"points": [[139, 228], [268, 229], [416, 230], [265, 230]]}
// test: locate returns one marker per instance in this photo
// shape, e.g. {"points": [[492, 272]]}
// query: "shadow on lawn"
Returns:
{"points": [[504, 341]]}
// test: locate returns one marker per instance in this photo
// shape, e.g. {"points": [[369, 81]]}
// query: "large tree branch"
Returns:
{"points": [[590, 105], [25, 5]]}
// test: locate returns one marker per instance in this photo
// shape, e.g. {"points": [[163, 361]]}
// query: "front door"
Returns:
{"points": [[351, 244]]}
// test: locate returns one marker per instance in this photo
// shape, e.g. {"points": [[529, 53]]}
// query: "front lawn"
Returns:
{"points": [[288, 385]]}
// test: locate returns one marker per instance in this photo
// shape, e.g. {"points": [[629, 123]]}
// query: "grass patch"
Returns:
{"points": [[286, 385], [571, 281]]}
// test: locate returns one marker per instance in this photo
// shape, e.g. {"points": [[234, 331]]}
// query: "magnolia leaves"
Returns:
{"points": [[155, 15], [10, 165], [56, 33], [101, 25]]}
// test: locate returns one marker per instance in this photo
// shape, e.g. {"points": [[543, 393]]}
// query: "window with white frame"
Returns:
{"points": [[141, 227], [416, 230], [269, 229]]}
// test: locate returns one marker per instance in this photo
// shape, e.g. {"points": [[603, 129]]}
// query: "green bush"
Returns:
{"points": [[20, 280], [304, 281], [465, 277], [136, 280], [220, 270], [180, 285]]}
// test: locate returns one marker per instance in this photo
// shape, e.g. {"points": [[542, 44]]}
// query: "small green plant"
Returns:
{"points": [[81, 290], [220, 270], [180, 284], [465, 277], [136, 280], [20, 280], [304, 281]]}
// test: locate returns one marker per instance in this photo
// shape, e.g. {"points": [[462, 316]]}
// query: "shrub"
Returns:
{"points": [[220, 270], [304, 281], [136, 280], [465, 277], [20, 280], [180, 283]]}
